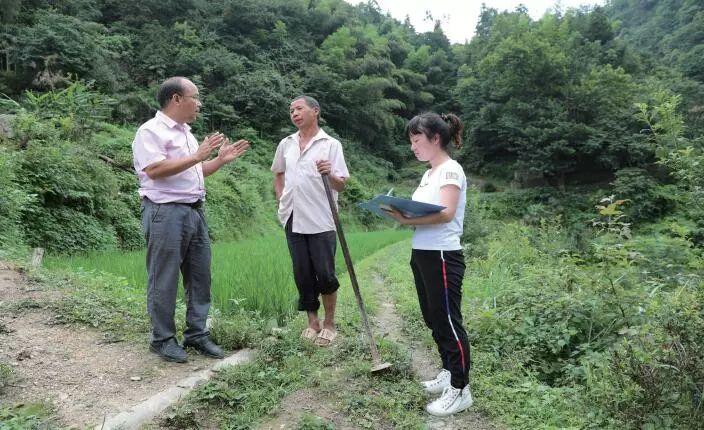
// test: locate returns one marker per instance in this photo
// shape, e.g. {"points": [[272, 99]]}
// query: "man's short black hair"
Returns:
{"points": [[168, 88]]}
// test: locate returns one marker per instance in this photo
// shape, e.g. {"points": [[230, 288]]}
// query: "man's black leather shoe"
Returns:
{"points": [[205, 346], [169, 350]]}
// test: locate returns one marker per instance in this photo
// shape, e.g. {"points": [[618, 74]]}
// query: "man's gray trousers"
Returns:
{"points": [[177, 242]]}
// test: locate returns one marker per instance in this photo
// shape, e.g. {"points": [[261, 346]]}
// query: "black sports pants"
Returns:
{"points": [[438, 276]]}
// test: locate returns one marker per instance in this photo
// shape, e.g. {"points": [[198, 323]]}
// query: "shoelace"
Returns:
{"points": [[437, 381], [448, 398]]}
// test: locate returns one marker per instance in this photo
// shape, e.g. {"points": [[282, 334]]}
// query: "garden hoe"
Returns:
{"points": [[378, 365]]}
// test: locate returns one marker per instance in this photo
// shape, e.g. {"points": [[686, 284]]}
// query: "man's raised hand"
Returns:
{"points": [[230, 151], [210, 144]]}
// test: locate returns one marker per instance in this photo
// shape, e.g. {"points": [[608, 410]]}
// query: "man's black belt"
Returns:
{"points": [[195, 205]]}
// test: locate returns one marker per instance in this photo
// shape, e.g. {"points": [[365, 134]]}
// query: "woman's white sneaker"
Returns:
{"points": [[437, 385], [453, 400]]}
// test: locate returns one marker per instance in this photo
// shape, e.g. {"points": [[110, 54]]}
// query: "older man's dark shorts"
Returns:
{"points": [[313, 258]]}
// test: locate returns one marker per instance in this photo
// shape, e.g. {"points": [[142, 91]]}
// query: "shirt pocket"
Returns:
{"points": [[308, 168], [320, 151]]}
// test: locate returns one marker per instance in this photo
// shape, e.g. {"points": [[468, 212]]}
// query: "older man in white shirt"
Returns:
{"points": [[300, 160]]}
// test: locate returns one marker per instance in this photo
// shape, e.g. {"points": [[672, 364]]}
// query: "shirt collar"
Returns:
{"points": [[321, 134], [170, 122]]}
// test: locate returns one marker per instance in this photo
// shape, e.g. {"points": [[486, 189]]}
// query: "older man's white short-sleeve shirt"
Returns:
{"points": [[304, 193]]}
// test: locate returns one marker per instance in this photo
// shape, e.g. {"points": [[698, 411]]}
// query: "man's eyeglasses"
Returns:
{"points": [[195, 97]]}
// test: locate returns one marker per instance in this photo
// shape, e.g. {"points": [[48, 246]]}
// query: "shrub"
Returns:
{"points": [[537, 212], [6, 375], [55, 229], [73, 189], [658, 368], [477, 225], [75, 111], [488, 187], [236, 203], [617, 329], [240, 329], [513, 203], [68, 199], [648, 200], [552, 321], [13, 200]]}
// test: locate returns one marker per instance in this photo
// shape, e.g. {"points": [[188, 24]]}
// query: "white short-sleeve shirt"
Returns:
{"points": [[304, 193], [445, 236]]}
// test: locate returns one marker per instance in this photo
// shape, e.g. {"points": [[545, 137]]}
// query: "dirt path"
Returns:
{"points": [[73, 368], [295, 405], [423, 361]]}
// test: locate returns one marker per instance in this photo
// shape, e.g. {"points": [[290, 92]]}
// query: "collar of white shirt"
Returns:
{"points": [[321, 134]]}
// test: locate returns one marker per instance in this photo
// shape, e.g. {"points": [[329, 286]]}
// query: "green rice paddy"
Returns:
{"points": [[252, 274]]}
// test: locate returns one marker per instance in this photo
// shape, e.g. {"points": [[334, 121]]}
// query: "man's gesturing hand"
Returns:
{"points": [[230, 151], [210, 144]]}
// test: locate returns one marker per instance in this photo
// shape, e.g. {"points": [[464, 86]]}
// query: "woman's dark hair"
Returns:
{"points": [[448, 126]]}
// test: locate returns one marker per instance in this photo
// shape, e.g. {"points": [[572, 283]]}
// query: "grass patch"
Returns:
{"points": [[238, 396], [7, 376], [4, 329], [100, 300], [21, 305], [240, 329], [309, 421], [26, 417], [387, 401]]}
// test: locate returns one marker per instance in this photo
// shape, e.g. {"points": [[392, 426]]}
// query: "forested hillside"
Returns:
{"points": [[546, 102], [250, 57], [672, 30], [670, 34]]}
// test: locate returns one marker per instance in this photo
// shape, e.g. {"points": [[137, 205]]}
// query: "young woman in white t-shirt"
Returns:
{"points": [[436, 258]]}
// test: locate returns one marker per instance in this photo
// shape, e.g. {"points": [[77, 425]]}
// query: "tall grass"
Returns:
{"points": [[253, 274]]}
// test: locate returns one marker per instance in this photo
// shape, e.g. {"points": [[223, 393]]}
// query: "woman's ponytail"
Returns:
{"points": [[456, 127]]}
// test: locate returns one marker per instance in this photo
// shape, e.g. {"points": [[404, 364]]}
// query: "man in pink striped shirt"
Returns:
{"points": [[171, 167]]}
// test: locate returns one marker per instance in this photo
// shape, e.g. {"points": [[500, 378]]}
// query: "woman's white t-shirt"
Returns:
{"points": [[446, 236]]}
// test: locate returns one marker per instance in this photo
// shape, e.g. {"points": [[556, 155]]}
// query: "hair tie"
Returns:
{"points": [[444, 117]]}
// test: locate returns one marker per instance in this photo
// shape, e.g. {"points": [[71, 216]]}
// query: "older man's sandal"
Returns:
{"points": [[309, 334], [325, 337]]}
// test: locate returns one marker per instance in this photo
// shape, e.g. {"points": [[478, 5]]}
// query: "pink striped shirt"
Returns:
{"points": [[162, 138]]}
